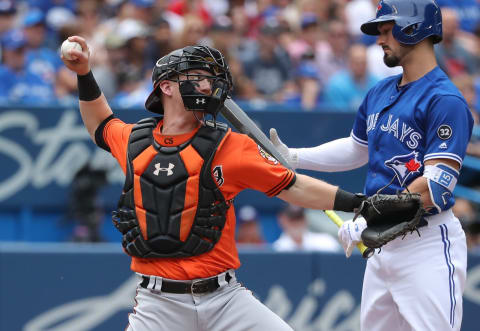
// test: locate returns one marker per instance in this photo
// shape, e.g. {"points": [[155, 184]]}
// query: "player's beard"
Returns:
{"points": [[396, 57], [391, 60]]}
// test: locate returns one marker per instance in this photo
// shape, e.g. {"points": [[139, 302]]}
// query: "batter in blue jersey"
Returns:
{"points": [[405, 126], [412, 130]]}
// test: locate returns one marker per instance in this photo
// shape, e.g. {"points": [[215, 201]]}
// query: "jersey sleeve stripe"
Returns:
{"points": [[277, 188], [286, 180], [443, 156], [358, 140]]}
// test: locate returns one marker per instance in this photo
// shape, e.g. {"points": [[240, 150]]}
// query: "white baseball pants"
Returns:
{"points": [[417, 283]]}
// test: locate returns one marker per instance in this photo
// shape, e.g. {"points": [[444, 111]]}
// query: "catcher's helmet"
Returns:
{"points": [[414, 20], [181, 60]]}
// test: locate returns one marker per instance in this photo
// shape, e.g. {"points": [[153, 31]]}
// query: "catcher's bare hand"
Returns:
{"points": [[80, 60]]}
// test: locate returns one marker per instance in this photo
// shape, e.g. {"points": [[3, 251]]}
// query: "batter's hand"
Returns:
{"points": [[80, 60], [350, 233], [289, 154]]}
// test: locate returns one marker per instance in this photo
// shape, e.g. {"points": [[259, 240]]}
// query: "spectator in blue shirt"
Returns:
{"points": [[17, 84], [308, 97], [271, 69], [346, 89], [41, 60]]}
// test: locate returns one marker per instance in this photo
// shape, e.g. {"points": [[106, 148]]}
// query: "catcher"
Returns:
{"points": [[176, 210]]}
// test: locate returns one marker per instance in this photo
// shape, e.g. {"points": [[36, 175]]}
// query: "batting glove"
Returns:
{"points": [[289, 154], [350, 233]]}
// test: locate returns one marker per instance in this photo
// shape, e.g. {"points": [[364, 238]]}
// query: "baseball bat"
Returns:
{"points": [[244, 124]]}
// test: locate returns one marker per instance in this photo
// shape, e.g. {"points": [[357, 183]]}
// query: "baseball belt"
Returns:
{"points": [[187, 287]]}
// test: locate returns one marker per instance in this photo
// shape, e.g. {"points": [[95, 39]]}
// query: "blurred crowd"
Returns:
{"points": [[302, 54]]}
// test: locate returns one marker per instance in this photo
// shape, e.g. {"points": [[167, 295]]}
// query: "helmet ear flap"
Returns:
{"points": [[154, 100]]}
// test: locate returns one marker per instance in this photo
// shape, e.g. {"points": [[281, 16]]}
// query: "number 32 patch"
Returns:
{"points": [[444, 132]]}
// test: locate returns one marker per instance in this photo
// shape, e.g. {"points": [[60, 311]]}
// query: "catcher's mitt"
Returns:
{"points": [[389, 216]]}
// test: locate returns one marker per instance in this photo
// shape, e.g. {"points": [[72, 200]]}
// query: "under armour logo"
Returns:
{"points": [[201, 100], [168, 170]]}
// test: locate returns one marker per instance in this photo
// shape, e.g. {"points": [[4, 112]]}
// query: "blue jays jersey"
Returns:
{"points": [[406, 126]]}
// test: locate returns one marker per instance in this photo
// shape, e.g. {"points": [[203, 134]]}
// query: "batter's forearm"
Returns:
{"points": [[420, 185]]}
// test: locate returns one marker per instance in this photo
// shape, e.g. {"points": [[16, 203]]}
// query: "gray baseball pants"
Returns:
{"points": [[230, 307]]}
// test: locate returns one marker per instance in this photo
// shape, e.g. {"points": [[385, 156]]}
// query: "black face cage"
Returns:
{"points": [[196, 57]]}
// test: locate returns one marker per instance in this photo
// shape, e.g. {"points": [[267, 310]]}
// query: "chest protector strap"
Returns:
{"points": [[171, 205]]}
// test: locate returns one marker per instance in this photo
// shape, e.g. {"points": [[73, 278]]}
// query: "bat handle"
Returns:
{"points": [[367, 252]]}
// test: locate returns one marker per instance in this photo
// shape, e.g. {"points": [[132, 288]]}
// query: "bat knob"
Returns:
{"points": [[368, 253]]}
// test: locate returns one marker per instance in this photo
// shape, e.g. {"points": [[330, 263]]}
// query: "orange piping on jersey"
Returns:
{"points": [[276, 190], [193, 163], [140, 163]]}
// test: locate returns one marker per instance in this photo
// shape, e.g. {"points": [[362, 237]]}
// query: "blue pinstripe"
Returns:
{"points": [[451, 271]]}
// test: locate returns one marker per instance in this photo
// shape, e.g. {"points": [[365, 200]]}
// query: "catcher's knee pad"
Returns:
{"points": [[441, 182]]}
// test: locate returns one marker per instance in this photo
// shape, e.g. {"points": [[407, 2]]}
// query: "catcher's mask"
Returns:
{"points": [[180, 62]]}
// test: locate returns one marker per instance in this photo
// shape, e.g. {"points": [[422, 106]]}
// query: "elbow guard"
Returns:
{"points": [[441, 180]]}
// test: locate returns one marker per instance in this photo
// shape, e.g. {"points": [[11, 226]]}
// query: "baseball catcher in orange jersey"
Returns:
{"points": [[182, 174]]}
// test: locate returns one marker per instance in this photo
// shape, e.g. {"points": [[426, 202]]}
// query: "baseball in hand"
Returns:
{"points": [[68, 45]]}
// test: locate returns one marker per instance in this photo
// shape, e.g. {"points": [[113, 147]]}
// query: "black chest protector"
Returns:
{"points": [[161, 214]]}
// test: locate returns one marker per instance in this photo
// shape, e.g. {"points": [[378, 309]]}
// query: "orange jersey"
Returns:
{"points": [[238, 164]]}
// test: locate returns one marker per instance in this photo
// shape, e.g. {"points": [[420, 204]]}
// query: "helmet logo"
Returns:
{"points": [[160, 64], [379, 6], [200, 101]]}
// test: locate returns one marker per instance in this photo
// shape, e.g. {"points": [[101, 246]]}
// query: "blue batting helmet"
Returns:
{"points": [[414, 20]]}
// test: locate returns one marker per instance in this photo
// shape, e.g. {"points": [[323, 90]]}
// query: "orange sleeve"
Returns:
{"points": [[115, 135], [245, 165]]}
